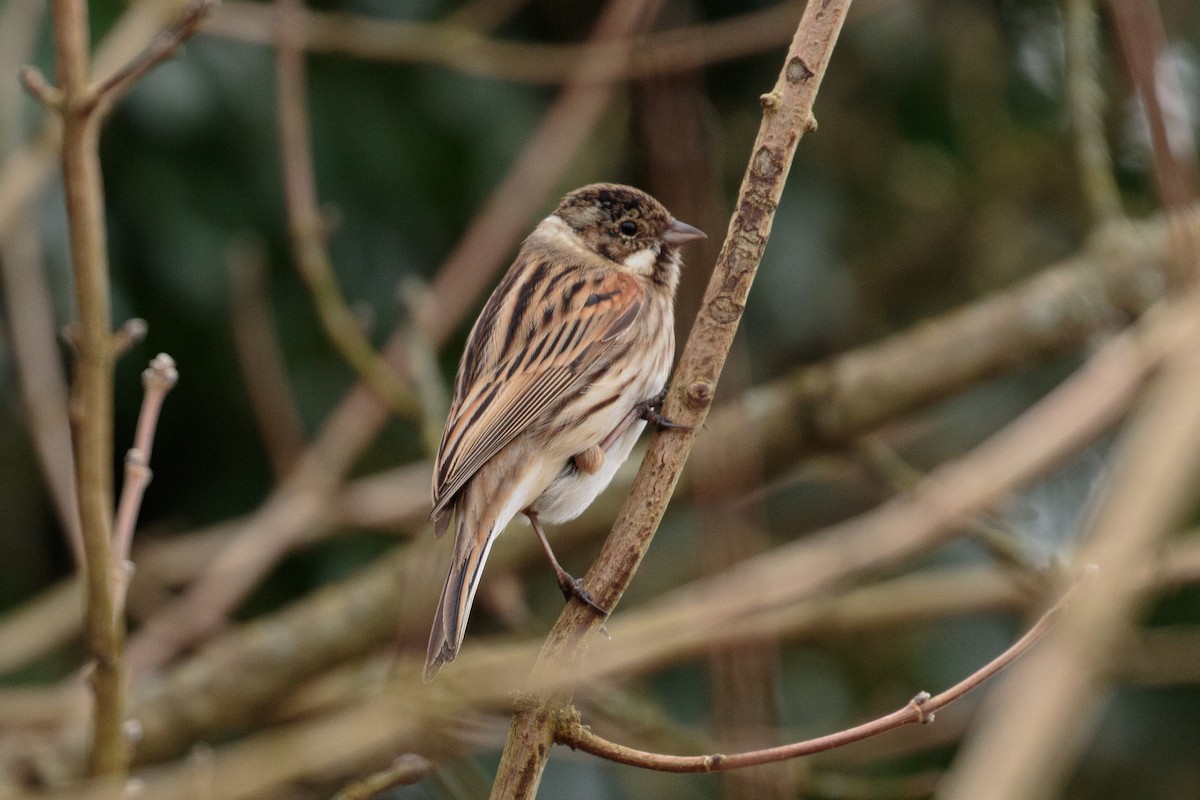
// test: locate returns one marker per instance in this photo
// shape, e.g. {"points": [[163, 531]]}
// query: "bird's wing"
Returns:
{"points": [[541, 330]]}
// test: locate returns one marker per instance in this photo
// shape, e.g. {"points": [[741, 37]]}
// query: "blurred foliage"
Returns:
{"points": [[942, 169]]}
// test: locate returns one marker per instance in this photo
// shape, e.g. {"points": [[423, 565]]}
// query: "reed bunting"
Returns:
{"points": [[560, 374]]}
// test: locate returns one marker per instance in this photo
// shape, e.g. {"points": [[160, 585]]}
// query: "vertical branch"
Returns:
{"points": [[92, 392], [308, 228], [1143, 43], [787, 115], [1087, 106]]}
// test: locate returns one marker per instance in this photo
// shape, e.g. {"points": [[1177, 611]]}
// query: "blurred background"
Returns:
{"points": [[944, 170]]}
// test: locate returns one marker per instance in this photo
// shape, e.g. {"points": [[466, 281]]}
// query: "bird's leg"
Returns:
{"points": [[569, 585], [645, 410], [592, 459]]}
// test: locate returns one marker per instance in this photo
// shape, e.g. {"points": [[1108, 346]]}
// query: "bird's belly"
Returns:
{"points": [[573, 490]]}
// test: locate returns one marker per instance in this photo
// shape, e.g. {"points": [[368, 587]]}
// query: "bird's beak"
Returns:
{"points": [[680, 233]]}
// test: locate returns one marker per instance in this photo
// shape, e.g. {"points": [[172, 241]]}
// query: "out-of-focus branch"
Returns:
{"points": [[787, 116], [308, 229], [407, 769], [30, 321], [1143, 40], [25, 171], [257, 346], [466, 50], [920, 710], [1086, 101], [1040, 716], [1049, 315]]}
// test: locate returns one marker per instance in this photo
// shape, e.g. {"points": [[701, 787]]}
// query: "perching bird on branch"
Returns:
{"points": [[563, 368]]}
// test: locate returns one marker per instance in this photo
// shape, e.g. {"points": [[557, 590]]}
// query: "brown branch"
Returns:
{"points": [[308, 229], [1139, 28], [787, 115], [365, 607], [157, 380], [256, 344], [109, 90], [81, 111], [456, 47], [92, 388], [921, 709]]}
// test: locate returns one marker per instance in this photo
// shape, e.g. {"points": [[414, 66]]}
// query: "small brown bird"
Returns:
{"points": [[560, 374]]}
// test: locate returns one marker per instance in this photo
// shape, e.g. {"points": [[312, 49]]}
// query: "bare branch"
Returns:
{"points": [[109, 90], [920, 710], [158, 379], [1087, 105], [464, 49], [308, 229], [256, 344], [36, 84]]}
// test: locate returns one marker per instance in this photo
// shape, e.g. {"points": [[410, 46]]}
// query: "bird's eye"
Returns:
{"points": [[628, 228]]}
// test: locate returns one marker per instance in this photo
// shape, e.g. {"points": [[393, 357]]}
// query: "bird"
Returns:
{"points": [[560, 374]]}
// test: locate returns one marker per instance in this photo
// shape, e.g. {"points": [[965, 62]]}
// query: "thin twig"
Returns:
{"points": [[308, 228], [920, 710], [36, 84], [256, 344], [1040, 716], [107, 91], [404, 771], [157, 380]]}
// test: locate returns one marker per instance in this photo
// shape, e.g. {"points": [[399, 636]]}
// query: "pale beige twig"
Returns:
{"points": [[92, 387], [405, 770], [157, 381]]}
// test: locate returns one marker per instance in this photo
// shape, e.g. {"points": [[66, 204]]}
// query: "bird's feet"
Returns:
{"points": [[646, 411], [573, 587]]}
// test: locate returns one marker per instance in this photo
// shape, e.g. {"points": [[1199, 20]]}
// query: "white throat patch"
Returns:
{"points": [[642, 262]]}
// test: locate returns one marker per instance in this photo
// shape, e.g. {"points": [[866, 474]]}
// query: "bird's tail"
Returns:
{"points": [[450, 618]]}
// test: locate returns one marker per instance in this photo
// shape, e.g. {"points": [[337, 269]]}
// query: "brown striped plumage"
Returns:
{"points": [[574, 340]]}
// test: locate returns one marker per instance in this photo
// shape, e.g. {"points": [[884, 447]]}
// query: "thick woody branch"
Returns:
{"points": [[787, 115]]}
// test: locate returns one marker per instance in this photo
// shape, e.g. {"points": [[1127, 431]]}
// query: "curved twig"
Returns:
{"points": [[921, 709]]}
